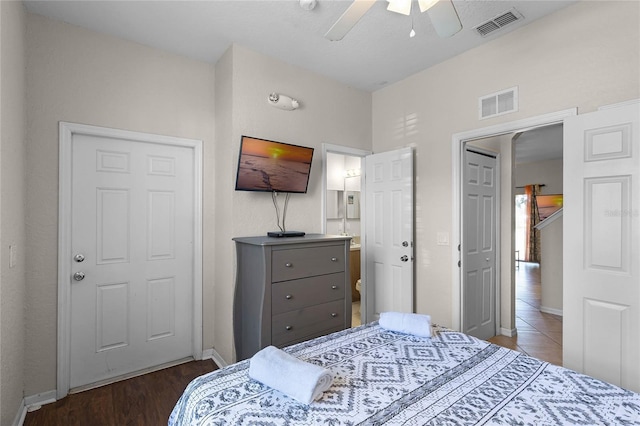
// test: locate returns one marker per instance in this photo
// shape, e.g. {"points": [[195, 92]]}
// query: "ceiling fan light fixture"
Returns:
{"points": [[400, 6], [426, 4], [444, 18]]}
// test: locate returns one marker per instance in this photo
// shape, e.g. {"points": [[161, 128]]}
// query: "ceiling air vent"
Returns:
{"points": [[499, 103], [498, 22]]}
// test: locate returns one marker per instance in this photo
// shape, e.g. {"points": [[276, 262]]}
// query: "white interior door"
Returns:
{"points": [[601, 326], [132, 256], [479, 245], [389, 232]]}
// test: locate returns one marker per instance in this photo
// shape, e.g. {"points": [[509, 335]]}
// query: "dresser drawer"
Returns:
{"points": [[291, 264], [297, 294], [307, 322]]}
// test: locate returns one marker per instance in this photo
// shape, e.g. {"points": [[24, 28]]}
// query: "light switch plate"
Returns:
{"points": [[443, 238]]}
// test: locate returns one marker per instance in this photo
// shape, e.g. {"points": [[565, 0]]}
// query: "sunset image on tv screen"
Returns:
{"points": [[273, 166]]}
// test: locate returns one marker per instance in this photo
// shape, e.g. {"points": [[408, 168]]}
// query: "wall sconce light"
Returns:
{"points": [[283, 102]]}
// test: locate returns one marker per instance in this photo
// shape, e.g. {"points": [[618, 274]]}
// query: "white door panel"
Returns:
{"points": [[132, 219], [601, 335], [479, 245], [389, 232]]}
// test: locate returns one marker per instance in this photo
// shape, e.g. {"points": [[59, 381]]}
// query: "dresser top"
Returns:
{"points": [[272, 241]]}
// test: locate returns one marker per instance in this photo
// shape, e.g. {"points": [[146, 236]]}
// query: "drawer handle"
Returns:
{"points": [[334, 287], [333, 314], [288, 296], [288, 264], [288, 328], [334, 259]]}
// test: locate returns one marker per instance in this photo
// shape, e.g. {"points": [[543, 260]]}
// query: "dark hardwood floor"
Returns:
{"points": [[144, 400]]}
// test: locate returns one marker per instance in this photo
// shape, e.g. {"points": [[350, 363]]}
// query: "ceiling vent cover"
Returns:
{"points": [[499, 22], [499, 103]]}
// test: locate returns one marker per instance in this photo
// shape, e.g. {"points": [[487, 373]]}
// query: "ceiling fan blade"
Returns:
{"points": [[349, 18], [444, 18]]}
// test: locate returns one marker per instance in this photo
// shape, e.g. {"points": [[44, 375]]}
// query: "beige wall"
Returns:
{"points": [[12, 208], [573, 58], [551, 267], [84, 77], [330, 112], [547, 172]]}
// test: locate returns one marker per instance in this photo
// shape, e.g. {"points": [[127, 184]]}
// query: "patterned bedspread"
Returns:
{"points": [[382, 377]]}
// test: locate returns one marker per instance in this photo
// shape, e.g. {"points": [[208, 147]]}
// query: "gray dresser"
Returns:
{"points": [[289, 290]]}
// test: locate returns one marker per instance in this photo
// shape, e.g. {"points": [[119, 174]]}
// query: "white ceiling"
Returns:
{"points": [[541, 144], [377, 51]]}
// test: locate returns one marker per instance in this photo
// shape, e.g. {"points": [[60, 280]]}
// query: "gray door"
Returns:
{"points": [[479, 245]]}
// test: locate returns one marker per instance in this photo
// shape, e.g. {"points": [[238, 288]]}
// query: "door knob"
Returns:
{"points": [[78, 257], [78, 276], [404, 258], [405, 244]]}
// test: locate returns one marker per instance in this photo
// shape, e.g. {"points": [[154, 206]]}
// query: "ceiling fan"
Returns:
{"points": [[443, 16]]}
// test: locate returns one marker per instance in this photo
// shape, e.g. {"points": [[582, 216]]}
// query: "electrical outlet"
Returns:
{"points": [[443, 238]]}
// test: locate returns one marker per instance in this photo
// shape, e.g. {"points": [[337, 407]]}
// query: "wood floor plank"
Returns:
{"points": [[139, 401]]}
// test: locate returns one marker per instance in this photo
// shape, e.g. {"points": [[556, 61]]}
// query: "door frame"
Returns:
{"points": [[458, 141], [66, 133], [353, 152]]}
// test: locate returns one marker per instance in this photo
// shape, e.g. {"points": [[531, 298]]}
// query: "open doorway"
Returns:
{"points": [[534, 171], [343, 212], [538, 176], [506, 298]]}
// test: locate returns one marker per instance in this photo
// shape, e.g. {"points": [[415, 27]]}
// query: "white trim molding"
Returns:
{"points": [[213, 355], [508, 332], [549, 220], [553, 311], [66, 133], [32, 403]]}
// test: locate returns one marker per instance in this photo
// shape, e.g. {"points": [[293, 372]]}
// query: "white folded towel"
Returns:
{"points": [[416, 324], [302, 381]]}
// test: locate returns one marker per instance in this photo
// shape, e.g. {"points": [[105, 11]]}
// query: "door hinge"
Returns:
{"points": [[459, 263]]}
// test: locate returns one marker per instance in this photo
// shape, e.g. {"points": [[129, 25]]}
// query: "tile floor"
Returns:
{"points": [[355, 314], [539, 333]]}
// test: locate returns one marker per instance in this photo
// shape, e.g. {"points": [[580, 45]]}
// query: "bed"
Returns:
{"points": [[384, 377]]}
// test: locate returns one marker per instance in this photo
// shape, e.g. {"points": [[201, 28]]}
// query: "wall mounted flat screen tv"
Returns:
{"points": [[271, 166]]}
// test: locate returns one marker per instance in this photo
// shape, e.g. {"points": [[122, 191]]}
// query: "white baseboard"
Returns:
{"points": [[215, 356], [553, 311], [508, 332], [20, 415], [32, 403]]}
